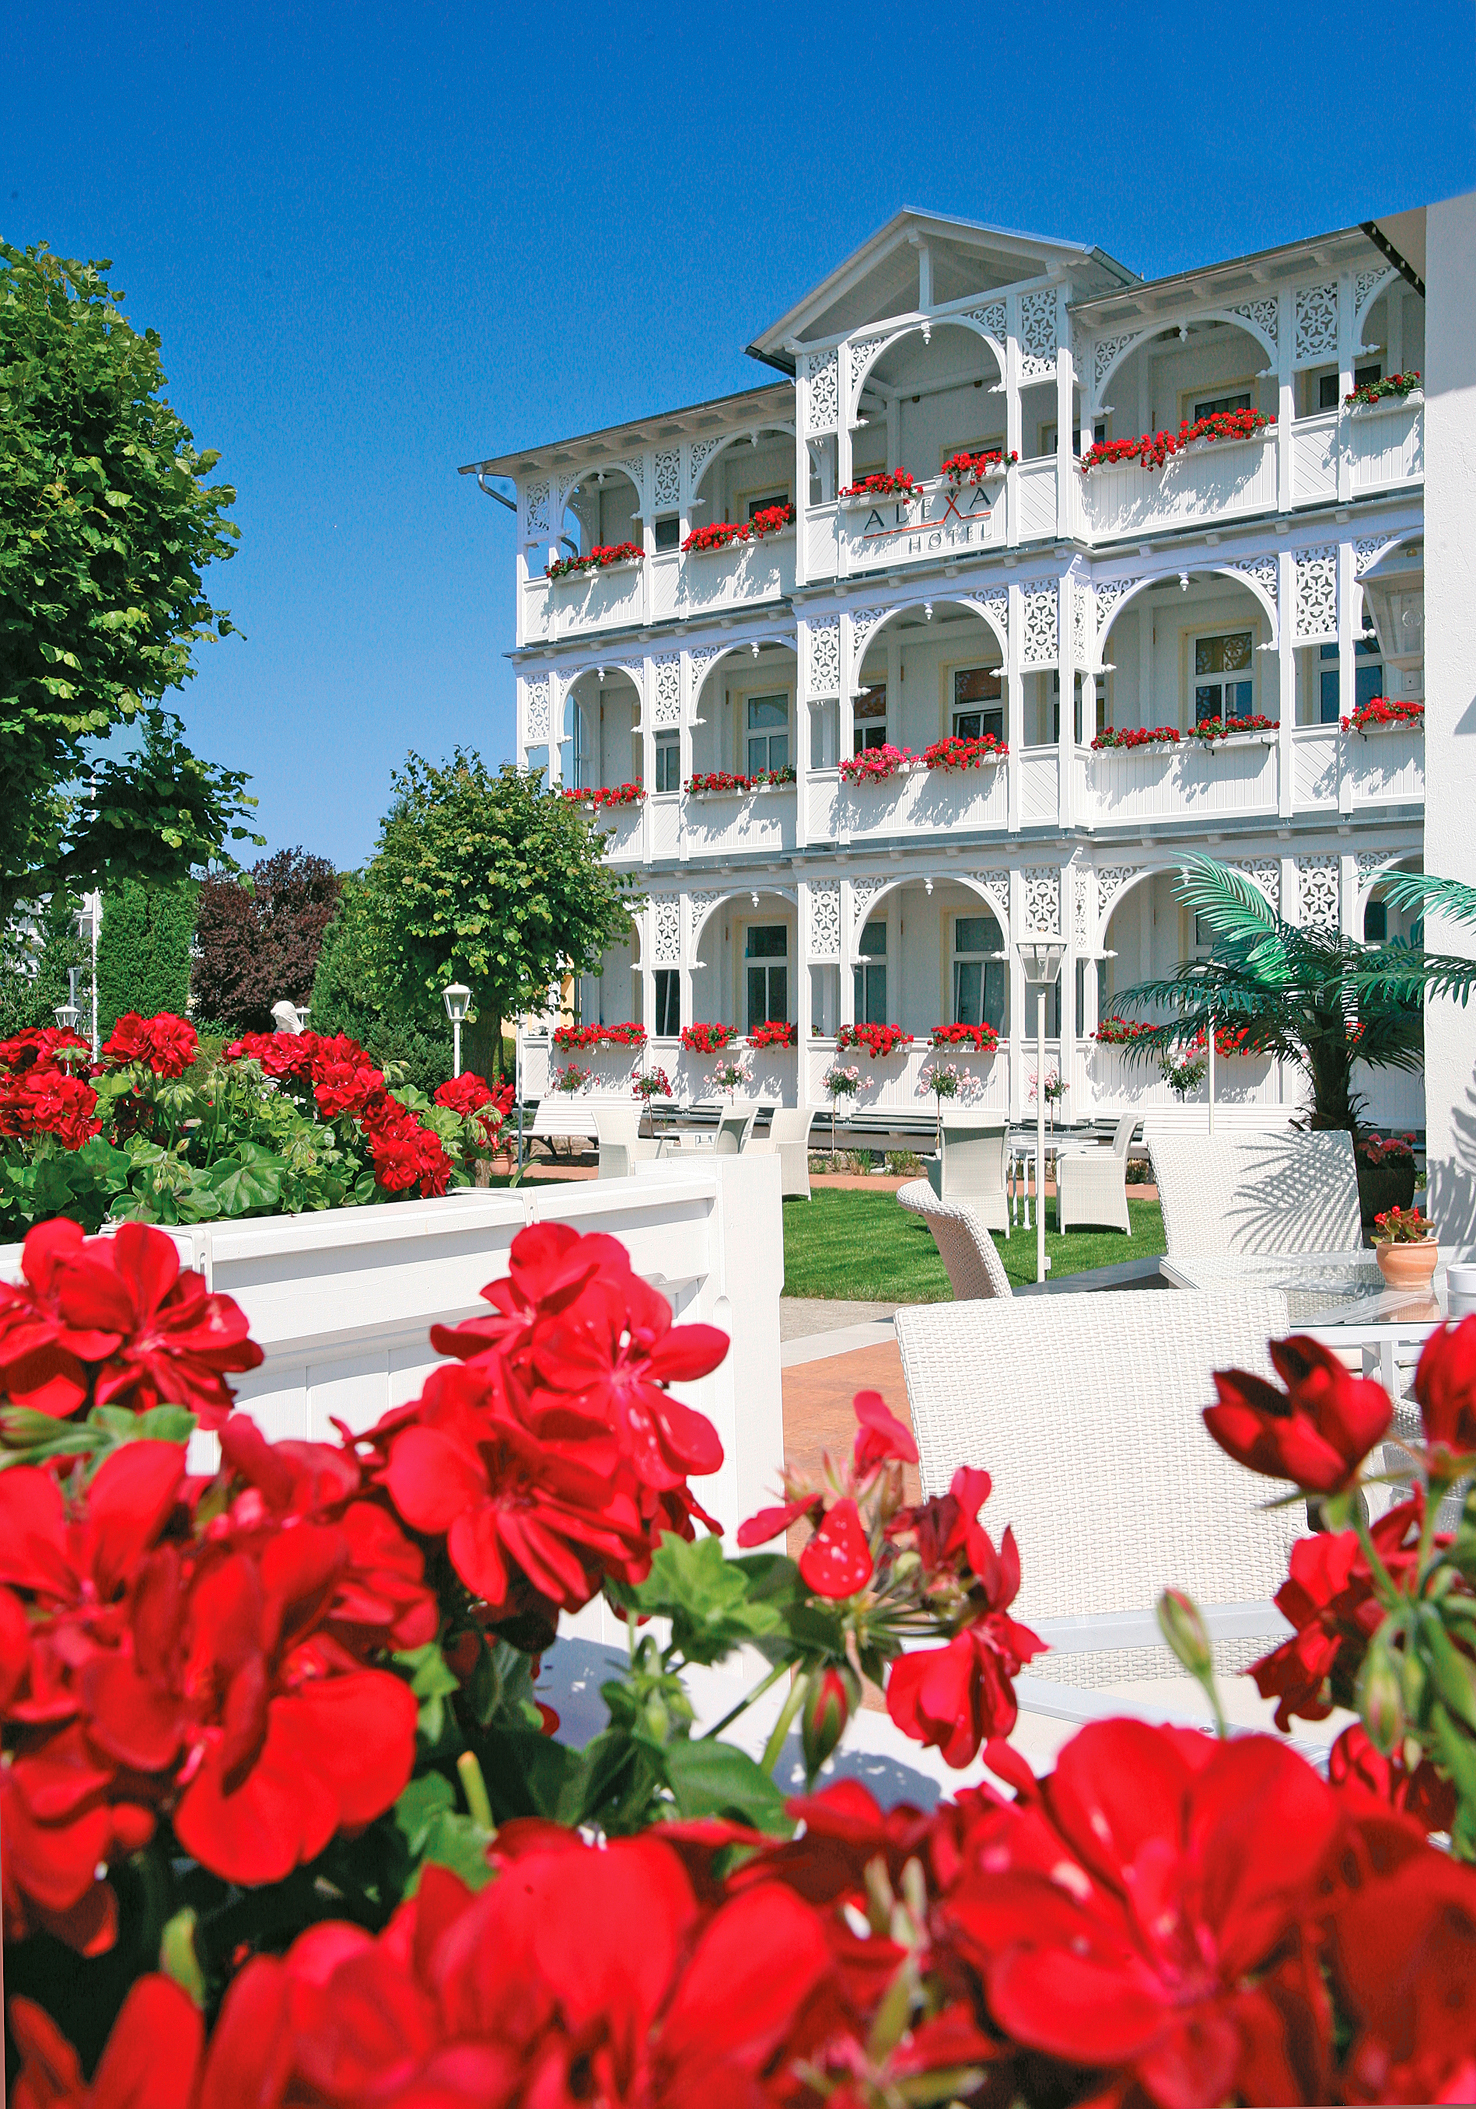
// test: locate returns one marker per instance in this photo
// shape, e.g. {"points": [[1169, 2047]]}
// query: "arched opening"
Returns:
{"points": [[1379, 921], [927, 952], [1176, 377], [747, 966], [744, 718], [745, 477], [925, 399], [1189, 648], [931, 670], [601, 746], [601, 511], [1146, 935]]}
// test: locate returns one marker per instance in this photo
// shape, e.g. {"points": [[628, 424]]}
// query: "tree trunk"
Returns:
{"points": [[481, 1045]]}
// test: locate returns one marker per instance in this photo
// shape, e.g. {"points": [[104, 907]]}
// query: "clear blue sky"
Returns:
{"points": [[381, 241]]}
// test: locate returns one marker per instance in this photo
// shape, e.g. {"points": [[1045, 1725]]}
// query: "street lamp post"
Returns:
{"points": [[66, 1014], [1041, 959], [456, 997]]}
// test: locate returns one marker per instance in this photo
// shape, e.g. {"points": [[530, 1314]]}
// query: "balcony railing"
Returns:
{"points": [[1188, 782], [920, 802], [1218, 481]]}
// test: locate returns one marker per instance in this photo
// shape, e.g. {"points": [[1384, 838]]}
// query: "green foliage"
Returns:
{"points": [[143, 950], [106, 526], [30, 986], [408, 1030], [489, 879], [1310, 996]]}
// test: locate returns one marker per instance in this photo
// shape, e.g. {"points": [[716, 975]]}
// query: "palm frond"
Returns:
{"points": [[1406, 974], [1451, 899]]}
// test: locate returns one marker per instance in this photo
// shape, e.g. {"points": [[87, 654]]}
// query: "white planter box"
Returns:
{"points": [[343, 1301]]}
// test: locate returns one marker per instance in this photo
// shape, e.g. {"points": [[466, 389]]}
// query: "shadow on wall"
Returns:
{"points": [[1451, 1206]]}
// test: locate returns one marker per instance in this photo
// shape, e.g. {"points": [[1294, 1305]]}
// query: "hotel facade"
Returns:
{"points": [[802, 586]]}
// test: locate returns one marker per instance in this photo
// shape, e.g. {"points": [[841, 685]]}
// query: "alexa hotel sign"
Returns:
{"points": [[936, 518]]}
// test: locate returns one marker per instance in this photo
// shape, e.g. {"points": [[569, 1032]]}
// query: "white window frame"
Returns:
{"points": [[1195, 681]]}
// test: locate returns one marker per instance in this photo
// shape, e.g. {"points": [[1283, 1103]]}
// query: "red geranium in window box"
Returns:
{"points": [[1385, 714], [885, 483], [878, 1040], [599, 559], [1135, 736], [722, 534], [955, 753], [1153, 449], [599, 1036], [608, 795], [982, 1038], [1371, 392], [973, 468], [708, 1039], [774, 1033]]}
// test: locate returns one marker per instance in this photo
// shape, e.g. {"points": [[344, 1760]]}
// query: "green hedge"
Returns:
{"points": [[143, 950]]}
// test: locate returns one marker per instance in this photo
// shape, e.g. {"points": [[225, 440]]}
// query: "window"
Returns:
{"points": [[1224, 676], [978, 702], [870, 714], [870, 975], [668, 761], [1076, 690], [669, 531], [1211, 405], [1376, 923], [1328, 393], [765, 952], [768, 733], [758, 505], [668, 1003], [1368, 677], [978, 972], [1204, 937]]}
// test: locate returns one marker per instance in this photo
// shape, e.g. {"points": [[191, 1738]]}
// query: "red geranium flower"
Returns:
{"points": [[166, 1044], [837, 1561], [1317, 1432], [1445, 1385], [152, 2055]]}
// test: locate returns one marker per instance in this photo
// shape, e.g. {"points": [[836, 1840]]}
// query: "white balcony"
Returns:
{"points": [[1040, 779], [1223, 480], [893, 1083], [733, 823], [1386, 445], [1385, 768], [1189, 782], [918, 802], [709, 579]]}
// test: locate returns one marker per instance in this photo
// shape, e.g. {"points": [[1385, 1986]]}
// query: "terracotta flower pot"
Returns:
{"points": [[1408, 1266]]}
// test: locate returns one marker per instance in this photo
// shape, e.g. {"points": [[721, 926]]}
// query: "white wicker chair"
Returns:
{"points": [[973, 1166], [789, 1139], [1086, 1412], [964, 1244], [735, 1126], [1285, 1192], [622, 1145], [1092, 1187]]}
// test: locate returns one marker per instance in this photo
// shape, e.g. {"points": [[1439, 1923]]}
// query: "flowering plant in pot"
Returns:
{"points": [[731, 1073], [333, 1849], [1385, 714], [571, 1079], [842, 1080], [647, 1084], [877, 765], [708, 1039], [1386, 1173], [1367, 393], [878, 1040], [946, 1081], [774, 1032], [1405, 1247]]}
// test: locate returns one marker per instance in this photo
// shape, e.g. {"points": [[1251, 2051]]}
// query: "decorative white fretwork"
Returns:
{"points": [[1107, 349], [863, 893], [1371, 861], [1111, 879], [995, 604], [992, 319], [996, 886], [1043, 899], [1366, 548], [1038, 646], [669, 479], [538, 509], [1264, 873], [863, 622], [1317, 595], [1263, 570], [824, 922], [666, 945], [668, 707], [862, 353], [702, 452], [825, 656], [1265, 314], [1107, 593], [698, 905], [1367, 287], [1082, 607], [702, 659], [636, 471], [1038, 334], [822, 404], [1317, 323], [1084, 891], [1317, 892], [535, 711]]}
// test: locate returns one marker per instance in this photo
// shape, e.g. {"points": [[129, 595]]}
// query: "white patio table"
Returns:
{"points": [[1060, 1142]]}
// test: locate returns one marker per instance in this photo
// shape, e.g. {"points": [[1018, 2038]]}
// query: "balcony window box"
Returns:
{"points": [[723, 783], [767, 523], [975, 468], [586, 1036], [1394, 386], [885, 485], [877, 765], [608, 795], [1113, 737], [1254, 731], [878, 1040], [980, 1039], [774, 1033], [618, 556], [954, 752], [708, 1039], [1155, 448], [1386, 714]]}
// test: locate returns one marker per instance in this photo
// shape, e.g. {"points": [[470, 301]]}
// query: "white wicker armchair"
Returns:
{"points": [[973, 1166], [1284, 1192], [964, 1244], [789, 1139], [1086, 1412], [622, 1145], [735, 1127], [1092, 1187]]}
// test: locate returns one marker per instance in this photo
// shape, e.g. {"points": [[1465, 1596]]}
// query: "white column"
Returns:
{"points": [[1012, 411], [1346, 661], [1021, 1027], [801, 488], [847, 957], [1286, 328], [1014, 702], [1066, 674], [1066, 467], [648, 970], [802, 987], [1345, 374], [1286, 677], [850, 668], [686, 954]]}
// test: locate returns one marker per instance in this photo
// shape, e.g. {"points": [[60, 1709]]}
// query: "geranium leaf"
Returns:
{"points": [[718, 1779]]}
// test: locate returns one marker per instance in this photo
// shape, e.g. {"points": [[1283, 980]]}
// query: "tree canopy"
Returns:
{"points": [[490, 879], [256, 943], [106, 527]]}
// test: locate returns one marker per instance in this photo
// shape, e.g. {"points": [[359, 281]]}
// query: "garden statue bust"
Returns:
{"points": [[287, 1018]]}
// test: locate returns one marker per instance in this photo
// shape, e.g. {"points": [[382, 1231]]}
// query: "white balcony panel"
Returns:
{"points": [[1314, 450], [762, 822], [1039, 792], [734, 577], [598, 600], [624, 832], [822, 542], [922, 802], [666, 825], [1315, 766], [916, 530], [1182, 783], [1386, 446], [1386, 768], [536, 618], [1244, 1088], [1208, 482], [1035, 494], [894, 1083], [822, 802]]}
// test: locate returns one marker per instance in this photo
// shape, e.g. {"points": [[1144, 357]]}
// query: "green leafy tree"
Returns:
{"points": [[490, 879], [413, 1036], [106, 527], [143, 950], [1314, 997]]}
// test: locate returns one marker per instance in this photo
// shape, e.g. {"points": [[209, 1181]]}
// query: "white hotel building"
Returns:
{"points": [[1229, 581]]}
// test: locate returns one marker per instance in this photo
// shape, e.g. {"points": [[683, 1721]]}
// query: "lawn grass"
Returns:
{"points": [[846, 1242]]}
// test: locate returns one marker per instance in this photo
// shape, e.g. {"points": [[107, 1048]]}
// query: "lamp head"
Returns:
{"points": [[1041, 958], [66, 1015], [456, 996]]}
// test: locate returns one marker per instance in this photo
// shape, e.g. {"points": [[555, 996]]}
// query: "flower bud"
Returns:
{"points": [[1183, 1628], [1380, 1699], [832, 1696]]}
